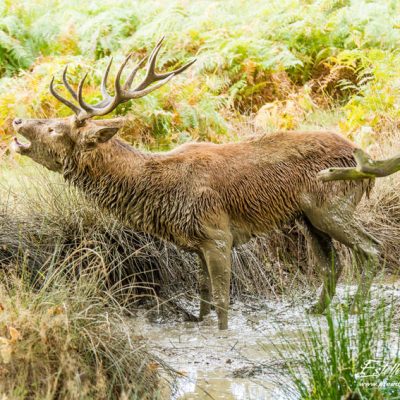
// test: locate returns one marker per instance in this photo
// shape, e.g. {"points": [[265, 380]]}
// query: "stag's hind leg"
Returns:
{"points": [[335, 218], [370, 261], [328, 262]]}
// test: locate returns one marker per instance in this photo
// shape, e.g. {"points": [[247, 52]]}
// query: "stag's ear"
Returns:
{"points": [[99, 134]]}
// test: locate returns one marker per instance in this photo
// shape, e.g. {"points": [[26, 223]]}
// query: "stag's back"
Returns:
{"points": [[259, 183]]}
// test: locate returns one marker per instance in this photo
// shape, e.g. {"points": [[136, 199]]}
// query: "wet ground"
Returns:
{"points": [[223, 365], [242, 363]]}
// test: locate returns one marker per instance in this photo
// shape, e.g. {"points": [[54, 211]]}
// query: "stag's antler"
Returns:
{"points": [[122, 93]]}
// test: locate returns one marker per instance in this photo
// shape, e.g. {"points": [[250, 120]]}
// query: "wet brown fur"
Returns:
{"points": [[257, 184]]}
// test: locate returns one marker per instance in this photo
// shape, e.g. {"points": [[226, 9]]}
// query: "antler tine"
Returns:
{"points": [[70, 105], [103, 88], [129, 80], [143, 92], [104, 81], [96, 110], [117, 81], [81, 102], [152, 76], [177, 71], [67, 85], [153, 58]]}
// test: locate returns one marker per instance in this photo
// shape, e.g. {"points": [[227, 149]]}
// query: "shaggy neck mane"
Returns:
{"points": [[108, 175]]}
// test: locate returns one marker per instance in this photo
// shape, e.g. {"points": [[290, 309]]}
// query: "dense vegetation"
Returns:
{"points": [[277, 61]]}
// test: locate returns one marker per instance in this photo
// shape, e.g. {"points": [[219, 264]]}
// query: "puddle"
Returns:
{"points": [[241, 363]]}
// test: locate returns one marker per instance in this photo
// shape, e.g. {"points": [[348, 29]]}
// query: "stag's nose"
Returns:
{"points": [[17, 121]]}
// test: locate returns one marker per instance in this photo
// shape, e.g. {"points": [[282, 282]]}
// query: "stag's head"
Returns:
{"points": [[51, 141]]}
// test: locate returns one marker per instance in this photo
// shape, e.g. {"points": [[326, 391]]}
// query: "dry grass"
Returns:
{"points": [[67, 338]]}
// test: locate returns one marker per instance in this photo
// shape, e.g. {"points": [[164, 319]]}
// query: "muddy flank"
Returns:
{"points": [[242, 363]]}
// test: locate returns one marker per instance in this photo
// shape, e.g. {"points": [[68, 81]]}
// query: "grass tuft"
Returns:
{"points": [[348, 357]]}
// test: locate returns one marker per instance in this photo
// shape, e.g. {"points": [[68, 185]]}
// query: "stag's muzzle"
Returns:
{"points": [[16, 145]]}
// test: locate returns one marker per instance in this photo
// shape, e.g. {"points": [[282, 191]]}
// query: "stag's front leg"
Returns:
{"points": [[205, 288], [217, 254]]}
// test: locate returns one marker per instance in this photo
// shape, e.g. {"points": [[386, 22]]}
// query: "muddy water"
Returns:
{"points": [[242, 363]]}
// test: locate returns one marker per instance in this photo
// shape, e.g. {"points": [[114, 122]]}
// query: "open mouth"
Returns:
{"points": [[18, 146]]}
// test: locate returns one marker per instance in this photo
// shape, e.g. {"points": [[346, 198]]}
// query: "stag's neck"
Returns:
{"points": [[110, 175]]}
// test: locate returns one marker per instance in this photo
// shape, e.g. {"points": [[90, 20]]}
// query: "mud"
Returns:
{"points": [[242, 363]]}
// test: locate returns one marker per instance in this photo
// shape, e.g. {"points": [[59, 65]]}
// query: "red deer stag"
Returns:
{"points": [[203, 197]]}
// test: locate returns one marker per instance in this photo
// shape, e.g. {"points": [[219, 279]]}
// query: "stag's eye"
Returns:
{"points": [[53, 132]]}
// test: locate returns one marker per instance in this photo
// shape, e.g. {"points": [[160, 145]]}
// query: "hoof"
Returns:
{"points": [[190, 318], [223, 324], [207, 320], [205, 309], [203, 315]]}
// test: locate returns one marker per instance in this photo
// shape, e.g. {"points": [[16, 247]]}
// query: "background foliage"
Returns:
{"points": [[275, 62]]}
